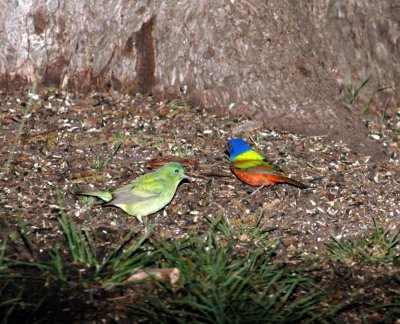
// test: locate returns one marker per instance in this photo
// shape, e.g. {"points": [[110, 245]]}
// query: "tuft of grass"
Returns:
{"points": [[80, 245], [125, 260], [178, 104], [118, 137], [380, 246], [173, 108], [54, 272], [88, 201], [371, 98], [219, 286], [113, 269], [353, 91], [75, 263], [223, 277], [101, 161], [221, 225], [182, 152]]}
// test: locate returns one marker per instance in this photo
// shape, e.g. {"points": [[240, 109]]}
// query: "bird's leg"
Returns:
{"points": [[145, 224], [148, 226], [257, 190]]}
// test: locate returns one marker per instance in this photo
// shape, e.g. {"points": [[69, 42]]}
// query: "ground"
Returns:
{"points": [[73, 142]]}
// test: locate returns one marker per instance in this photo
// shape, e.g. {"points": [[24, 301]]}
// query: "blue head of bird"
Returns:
{"points": [[236, 147]]}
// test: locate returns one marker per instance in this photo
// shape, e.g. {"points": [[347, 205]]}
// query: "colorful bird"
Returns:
{"points": [[147, 194], [253, 168]]}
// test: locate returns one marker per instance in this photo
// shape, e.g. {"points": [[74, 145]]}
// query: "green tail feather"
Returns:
{"points": [[103, 195]]}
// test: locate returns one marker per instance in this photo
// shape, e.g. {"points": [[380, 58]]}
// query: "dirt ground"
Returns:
{"points": [[69, 141]]}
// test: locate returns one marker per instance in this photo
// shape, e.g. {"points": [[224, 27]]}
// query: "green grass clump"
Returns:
{"points": [[30, 284], [101, 161], [220, 285], [380, 246], [353, 92], [178, 104], [216, 283]]}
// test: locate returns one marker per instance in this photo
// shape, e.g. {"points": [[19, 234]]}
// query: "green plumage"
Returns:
{"points": [[147, 194]]}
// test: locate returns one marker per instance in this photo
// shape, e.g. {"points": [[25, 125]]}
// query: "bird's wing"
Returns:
{"points": [[124, 188], [149, 186], [257, 166], [270, 164], [143, 188], [263, 169]]}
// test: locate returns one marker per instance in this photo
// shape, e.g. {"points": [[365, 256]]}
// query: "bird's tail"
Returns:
{"points": [[103, 195], [293, 182]]}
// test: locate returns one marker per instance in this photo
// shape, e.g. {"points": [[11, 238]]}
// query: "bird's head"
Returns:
{"points": [[236, 147], [173, 171]]}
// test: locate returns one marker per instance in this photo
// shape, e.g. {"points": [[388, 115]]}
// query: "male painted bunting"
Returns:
{"points": [[147, 194], [253, 168]]}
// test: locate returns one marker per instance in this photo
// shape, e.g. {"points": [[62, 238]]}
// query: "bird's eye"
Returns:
{"points": [[176, 171]]}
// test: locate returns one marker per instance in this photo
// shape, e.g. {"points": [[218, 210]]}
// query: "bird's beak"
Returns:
{"points": [[185, 176]]}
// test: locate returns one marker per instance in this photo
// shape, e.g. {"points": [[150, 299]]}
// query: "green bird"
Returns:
{"points": [[147, 194]]}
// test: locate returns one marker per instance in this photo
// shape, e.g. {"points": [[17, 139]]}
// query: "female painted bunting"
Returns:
{"points": [[253, 168], [147, 194]]}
